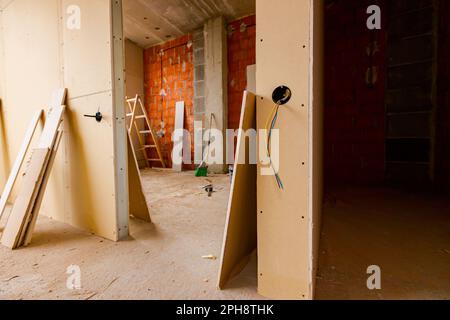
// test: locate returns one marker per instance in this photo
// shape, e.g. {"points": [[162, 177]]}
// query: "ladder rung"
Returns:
{"points": [[148, 147], [131, 100], [155, 160], [140, 117], [145, 131], [129, 114]]}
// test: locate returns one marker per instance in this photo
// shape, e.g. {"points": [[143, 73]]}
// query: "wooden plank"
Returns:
{"points": [[240, 229], [20, 215], [19, 161], [133, 115], [283, 215], [137, 202], [53, 120], [27, 234], [31, 182], [179, 125]]}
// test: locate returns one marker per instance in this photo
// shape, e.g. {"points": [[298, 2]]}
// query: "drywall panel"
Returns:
{"points": [[283, 56], [4, 155], [138, 203], [316, 112], [88, 169], [120, 135], [41, 54], [134, 81], [134, 69], [240, 228], [31, 63], [87, 51]]}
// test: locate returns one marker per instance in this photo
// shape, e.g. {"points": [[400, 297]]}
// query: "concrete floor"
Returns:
{"points": [[407, 235], [160, 261]]}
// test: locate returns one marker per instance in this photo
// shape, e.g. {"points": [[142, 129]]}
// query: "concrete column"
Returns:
{"points": [[199, 93], [216, 77]]}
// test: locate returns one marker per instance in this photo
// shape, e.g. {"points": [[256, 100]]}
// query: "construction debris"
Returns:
{"points": [[209, 189], [209, 257]]}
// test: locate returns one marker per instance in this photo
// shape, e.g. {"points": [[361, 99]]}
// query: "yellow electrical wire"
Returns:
{"points": [[269, 120]]}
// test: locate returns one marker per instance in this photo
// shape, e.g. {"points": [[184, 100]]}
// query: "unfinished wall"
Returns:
{"points": [[134, 81], [241, 54], [354, 111], [173, 72], [134, 69], [4, 157], [443, 134], [200, 116], [216, 75], [40, 54], [288, 219]]}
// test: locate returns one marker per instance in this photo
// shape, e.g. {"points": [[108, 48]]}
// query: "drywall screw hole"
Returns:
{"points": [[303, 218], [304, 46], [261, 212], [262, 40], [303, 163], [260, 274]]}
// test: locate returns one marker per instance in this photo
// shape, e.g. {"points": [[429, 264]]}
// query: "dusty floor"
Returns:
{"points": [[406, 234], [160, 261]]}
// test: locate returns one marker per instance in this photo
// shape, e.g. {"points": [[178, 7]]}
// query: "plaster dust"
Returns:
{"points": [[160, 261], [407, 234]]}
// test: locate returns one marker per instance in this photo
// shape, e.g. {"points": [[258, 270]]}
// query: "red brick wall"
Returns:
{"points": [[241, 53], [178, 78], [443, 134], [354, 113]]}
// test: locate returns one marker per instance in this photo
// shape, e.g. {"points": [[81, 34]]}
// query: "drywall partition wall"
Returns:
{"points": [[240, 228], [4, 152], [50, 44], [134, 69], [134, 82], [283, 56], [138, 204]]}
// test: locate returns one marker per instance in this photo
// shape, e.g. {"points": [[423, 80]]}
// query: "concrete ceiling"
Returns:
{"points": [[151, 22]]}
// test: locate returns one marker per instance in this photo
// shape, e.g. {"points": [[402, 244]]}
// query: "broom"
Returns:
{"points": [[202, 170]]}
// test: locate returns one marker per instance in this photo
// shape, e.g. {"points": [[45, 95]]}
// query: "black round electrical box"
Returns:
{"points": [[281, 95]]}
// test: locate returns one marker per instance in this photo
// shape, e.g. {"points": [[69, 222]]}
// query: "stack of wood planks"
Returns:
{"points": [[22, 219]]}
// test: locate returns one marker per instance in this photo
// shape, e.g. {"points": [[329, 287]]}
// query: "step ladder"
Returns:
{"points": [[134, 105]]}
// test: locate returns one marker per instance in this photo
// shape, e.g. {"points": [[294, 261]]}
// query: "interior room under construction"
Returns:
{"points": [[123, 184]]}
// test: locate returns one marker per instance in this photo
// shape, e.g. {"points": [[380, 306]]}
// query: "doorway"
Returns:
{"points": [[387, 207]]}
